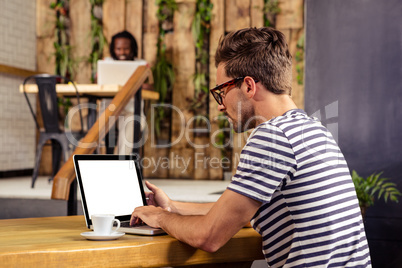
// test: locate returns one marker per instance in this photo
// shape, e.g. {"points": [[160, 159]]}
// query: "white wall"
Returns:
{"points": [[17, 49]]}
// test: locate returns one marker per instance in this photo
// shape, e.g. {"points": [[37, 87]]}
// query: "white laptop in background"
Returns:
{"points": [[116, 72], [111, 184]]}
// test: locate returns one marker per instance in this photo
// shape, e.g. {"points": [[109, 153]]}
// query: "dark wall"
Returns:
{"points": [[353, 80]]}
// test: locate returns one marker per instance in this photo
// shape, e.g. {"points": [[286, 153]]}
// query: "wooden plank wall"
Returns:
{"points": [[45, 37], [138, 17]]}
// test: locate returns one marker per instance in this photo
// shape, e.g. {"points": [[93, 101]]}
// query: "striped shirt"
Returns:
{"points": [[310, 215]]}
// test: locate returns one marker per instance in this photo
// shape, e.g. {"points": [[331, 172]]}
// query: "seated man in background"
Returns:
{"points": [[292, 181], [123, 46]]}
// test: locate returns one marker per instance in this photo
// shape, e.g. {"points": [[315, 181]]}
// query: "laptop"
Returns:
{"points": [[112, 184], [116, 72]]}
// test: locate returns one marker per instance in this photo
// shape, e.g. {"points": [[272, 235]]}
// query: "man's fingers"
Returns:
{"points": [[150, 186], [135, 220]]}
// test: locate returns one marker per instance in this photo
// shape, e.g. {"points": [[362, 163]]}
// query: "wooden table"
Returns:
{"points": [[56, 242], [94, 92], [90, 90]]}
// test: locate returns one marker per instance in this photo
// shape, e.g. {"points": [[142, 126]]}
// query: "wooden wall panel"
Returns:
{"points": [[241, 20], [45, 18], [230, 13], [217, 30], [139, 18], [237, 15], [150, 32], [297, 89], [134, 16], [290, 21], [150, 38], [202, 162], [45, 61], [45, 32], [256, 13], [80, 39], [184, 67], [113, 20], [291, 15]]}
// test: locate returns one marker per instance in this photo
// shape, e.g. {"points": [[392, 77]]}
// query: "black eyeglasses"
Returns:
{"points": [[217, 91]]}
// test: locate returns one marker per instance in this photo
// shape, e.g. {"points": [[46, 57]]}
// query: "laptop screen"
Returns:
{"points": [[116, 71], [109, 185]]}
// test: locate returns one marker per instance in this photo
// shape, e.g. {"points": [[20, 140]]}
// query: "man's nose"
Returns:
{"points": [[221, 107]]}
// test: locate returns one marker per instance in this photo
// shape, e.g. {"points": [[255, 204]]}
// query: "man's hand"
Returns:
{"points": [[157, 197], [148, 214], [157, 201]]}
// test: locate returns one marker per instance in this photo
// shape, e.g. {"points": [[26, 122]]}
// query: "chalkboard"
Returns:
{"points": [[353, 82]]}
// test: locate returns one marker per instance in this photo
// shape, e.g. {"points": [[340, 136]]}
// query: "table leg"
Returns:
{"points": [[72, 203], [137, 123], [92, 113]]}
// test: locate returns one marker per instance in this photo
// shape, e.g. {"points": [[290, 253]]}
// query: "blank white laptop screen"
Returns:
{"points": [[116, 72], [111, 187], [112, 184]]}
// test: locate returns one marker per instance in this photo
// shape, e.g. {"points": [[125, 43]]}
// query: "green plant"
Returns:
{"points": [[373, 187], [299, 57], [270, 10], [98, 39], [65, 65], [162, 71], [200, 29]]}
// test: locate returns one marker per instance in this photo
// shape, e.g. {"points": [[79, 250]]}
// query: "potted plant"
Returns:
{"points": [[373, 187]]}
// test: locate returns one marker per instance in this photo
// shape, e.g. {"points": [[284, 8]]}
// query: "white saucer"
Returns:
{"points": [[94, 236]]}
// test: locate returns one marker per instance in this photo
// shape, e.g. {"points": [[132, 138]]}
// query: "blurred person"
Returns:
{"points": [[123, 46]]}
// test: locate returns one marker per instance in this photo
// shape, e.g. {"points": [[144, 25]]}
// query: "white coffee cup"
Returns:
{"points": [[103, 224]]}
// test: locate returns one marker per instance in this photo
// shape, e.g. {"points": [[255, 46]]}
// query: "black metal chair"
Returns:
{"points": [[47, 97]]}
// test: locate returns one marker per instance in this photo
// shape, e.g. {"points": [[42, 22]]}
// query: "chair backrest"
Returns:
{"points": [[48, 101]]}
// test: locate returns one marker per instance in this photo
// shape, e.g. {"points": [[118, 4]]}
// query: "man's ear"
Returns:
{"points": [[250, 86]]}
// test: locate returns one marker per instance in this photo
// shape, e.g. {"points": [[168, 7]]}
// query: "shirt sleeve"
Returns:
{"points": [[265, 161]]}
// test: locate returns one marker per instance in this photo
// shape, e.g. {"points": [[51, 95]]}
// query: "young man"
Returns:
{"points": [[292, 181], [123, 46]]}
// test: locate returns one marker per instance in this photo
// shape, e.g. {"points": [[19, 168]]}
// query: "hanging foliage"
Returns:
{"points": [[270, 10], [200, 30], [163, 70], [98, 40], [65, 65], [299, 57]]}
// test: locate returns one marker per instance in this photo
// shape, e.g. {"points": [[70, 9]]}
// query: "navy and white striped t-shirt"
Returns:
{"points": [[310, 215]]}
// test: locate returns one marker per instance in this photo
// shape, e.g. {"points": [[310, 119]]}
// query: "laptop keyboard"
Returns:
{"points": [[127, 224]]}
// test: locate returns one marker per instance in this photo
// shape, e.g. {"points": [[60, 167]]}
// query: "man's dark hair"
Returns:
{"points": [[127, 35], [261, 53]]}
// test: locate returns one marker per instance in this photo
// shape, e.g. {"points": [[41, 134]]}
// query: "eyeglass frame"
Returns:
{"points": [[217, 96]]}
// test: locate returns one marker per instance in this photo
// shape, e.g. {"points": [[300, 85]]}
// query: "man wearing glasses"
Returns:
{"points": [[292, 181]]}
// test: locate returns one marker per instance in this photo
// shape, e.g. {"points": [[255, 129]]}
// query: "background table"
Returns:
{"points": [[56, 242], [90, 90]]}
